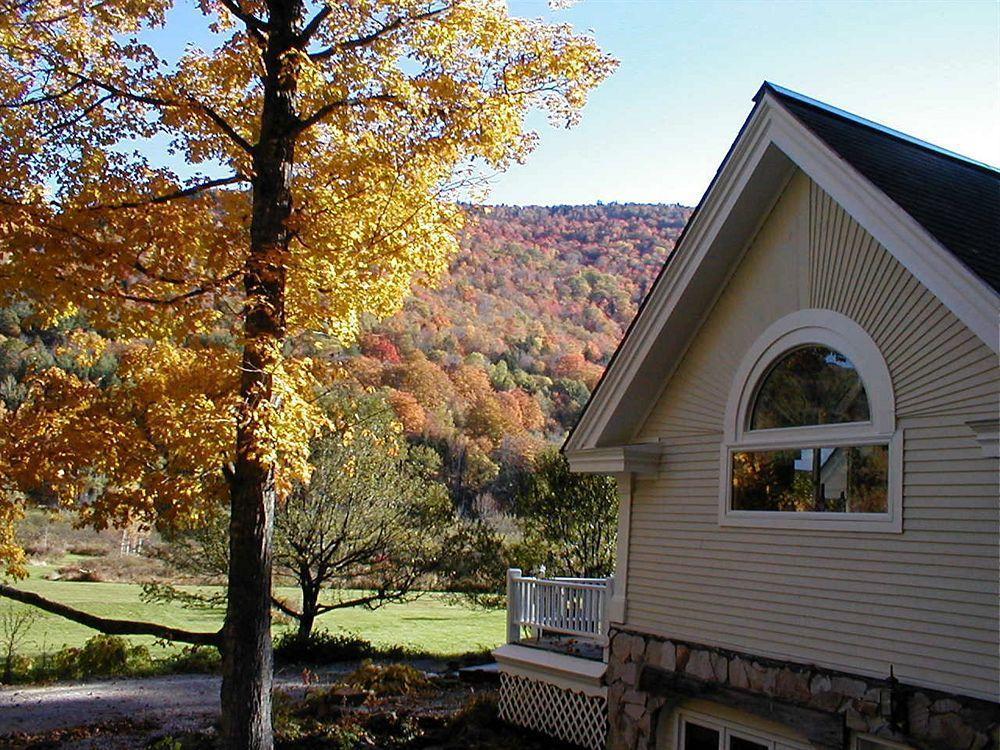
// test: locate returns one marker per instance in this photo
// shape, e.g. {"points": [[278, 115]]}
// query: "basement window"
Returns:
{"points": [[867, 742], [697, 731]]}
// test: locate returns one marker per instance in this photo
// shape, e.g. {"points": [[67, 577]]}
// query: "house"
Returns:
{"points": [[803, 423]]}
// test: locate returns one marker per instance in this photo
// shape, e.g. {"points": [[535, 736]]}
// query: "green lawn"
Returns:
{"points": [[431, 623]]}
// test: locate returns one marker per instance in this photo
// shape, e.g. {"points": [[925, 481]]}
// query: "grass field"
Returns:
{"points": [[431, 624]]}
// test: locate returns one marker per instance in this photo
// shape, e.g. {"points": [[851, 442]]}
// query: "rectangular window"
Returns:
{"points": [[696, 732], [742, 743], [847, 479], [698, 737]]}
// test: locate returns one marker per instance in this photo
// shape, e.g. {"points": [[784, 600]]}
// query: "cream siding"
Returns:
{"points": [[924, 601]]}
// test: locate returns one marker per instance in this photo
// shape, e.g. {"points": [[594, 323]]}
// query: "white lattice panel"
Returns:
{"points": [[564, 714]]}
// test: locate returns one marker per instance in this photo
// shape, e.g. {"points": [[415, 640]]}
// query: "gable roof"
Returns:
{"points": [[954, 198], [857, 163]]}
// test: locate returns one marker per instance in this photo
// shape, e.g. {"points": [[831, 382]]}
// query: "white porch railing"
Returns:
{"points": [[564, 606]]}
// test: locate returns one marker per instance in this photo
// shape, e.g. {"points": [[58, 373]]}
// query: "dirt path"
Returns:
{"points": [[173, 703]]}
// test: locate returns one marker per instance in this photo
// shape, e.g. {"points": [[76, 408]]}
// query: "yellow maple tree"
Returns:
{"points": [[317, 152]]}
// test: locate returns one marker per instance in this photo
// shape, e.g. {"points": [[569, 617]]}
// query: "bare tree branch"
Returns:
{"points": [[42, 99], [156, 101], [167, 301], [326, 109], [75, 119], [362, 601], [109, 626], [381, 31], [224, 126], [282, 607], [185, 193], [153, 101], [252, 22], [313, 26]]}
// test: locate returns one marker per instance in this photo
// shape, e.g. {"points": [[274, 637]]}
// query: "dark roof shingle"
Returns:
{"points": [[955, 199]]}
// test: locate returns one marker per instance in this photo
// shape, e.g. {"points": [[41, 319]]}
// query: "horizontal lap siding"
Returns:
{"points": [[925, 601]]}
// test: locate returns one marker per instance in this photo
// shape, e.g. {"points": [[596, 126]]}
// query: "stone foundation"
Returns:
{"points": [[648, 675]]}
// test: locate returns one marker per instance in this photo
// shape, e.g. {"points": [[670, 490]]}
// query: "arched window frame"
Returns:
{"points": [[840, 333]]}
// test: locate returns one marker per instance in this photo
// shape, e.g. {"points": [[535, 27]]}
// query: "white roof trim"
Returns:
{"points": [[643, 459], [771, 127]]}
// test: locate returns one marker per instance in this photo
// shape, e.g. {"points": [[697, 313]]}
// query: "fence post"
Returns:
{"points": [[609, 593], [513, 605]]}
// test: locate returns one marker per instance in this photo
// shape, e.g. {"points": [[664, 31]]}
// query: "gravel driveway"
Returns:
{"points": [[172, 703]]}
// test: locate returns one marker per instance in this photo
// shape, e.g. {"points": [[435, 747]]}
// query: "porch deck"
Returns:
{"points": [[552, 667], [583, 648], [564, 615]]}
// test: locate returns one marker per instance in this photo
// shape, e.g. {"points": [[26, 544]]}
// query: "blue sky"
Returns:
{"points": [[657, 130]]}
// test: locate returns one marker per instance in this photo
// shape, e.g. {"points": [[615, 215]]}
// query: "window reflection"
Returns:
{"points": [[697, 737], [850, 479], [811, 385]]}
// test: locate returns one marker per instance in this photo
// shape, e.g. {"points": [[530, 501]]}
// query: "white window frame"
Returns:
{"points": [[887, 744], [728, 728], [843, 335]]}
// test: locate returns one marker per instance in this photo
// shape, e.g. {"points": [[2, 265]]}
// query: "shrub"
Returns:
{"points": [[194, 659], [65, 663], [43, 549], [321, 647], [88, 549], [74, 574], [481, 710], [101, 656], [19, 668], [104, 655], [389, 679], [111, 656], [305, 725], [186, 741]]}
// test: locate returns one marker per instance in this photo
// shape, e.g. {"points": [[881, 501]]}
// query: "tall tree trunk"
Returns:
{"points": [[247, 658]]}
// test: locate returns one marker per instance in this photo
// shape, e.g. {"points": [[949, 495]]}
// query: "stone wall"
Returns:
{"points": [[648, 675]]}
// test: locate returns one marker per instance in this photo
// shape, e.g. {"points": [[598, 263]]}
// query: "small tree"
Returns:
{"points": [[565, 521], [365, 529], [368, 525], [570, 519], [15, 622]]}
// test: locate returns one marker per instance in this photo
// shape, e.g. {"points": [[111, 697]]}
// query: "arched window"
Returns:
{"points": [[810, 385], [811, 439]]}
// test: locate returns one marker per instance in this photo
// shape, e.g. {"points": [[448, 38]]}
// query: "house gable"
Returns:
{"points": [[771, 147], [811, 254]]}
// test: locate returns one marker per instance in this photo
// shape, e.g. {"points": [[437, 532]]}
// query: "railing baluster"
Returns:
{"points": [[568, 606]]}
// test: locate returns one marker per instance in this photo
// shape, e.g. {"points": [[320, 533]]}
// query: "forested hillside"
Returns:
{"points": [[487, 367], [502, 355]]}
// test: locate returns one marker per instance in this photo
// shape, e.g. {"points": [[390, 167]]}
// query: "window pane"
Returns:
{"points": [[741, 743], [700, 738], [816, 480], [809, 386]]}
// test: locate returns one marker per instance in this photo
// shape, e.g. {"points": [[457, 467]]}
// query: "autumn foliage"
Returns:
{"points": [[156, 261], [314, 154]]}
